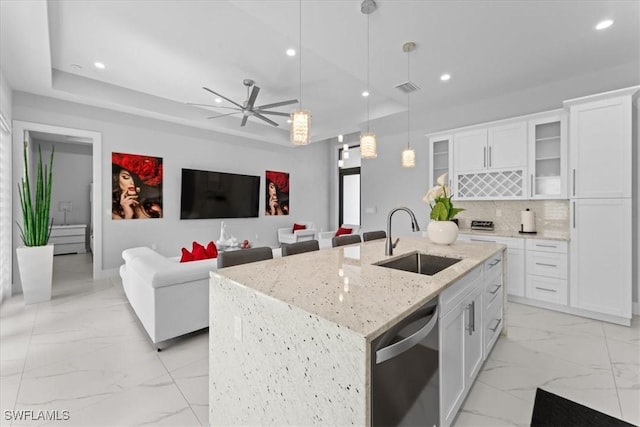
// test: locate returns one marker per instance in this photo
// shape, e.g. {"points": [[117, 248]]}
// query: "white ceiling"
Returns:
{"points": [[159, 54]]}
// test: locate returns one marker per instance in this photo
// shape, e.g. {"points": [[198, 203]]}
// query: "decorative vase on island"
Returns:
{"points": [[442, 232]]}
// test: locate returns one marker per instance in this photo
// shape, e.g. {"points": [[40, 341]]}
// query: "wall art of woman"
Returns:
{"points": [[277, 193], [136, 186]]}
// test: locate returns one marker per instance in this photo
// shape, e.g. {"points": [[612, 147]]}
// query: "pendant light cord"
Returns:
{"points": [[300, 49], [368, 71], [408, 102]]}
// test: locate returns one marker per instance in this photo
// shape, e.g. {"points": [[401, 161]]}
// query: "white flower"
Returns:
{"points": [[433, 194], [442, 179]]}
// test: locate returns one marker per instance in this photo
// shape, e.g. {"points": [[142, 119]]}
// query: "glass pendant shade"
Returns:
{"points": [[300, 127], [368, 146], [345, 155], [340, 163], [408, 158]]}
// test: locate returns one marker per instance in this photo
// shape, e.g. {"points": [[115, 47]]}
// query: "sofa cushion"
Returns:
{"points": [[186, 256], [298, 227], [342, 231]]}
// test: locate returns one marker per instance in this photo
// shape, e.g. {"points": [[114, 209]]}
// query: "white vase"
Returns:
{"points": [[35, 264], [442, 232]]}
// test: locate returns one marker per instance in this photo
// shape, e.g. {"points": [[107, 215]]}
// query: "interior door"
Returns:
{"points": [[349, 196]]}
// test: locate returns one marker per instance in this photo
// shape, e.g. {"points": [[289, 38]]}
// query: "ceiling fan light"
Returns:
{"points": [[408, 158], [300, 127], [368, 146]]}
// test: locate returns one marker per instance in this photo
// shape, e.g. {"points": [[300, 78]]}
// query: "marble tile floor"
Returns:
{"points": [[85, 352]]}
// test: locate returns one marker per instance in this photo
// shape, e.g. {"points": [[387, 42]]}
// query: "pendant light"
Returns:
{"points": [[368, 144], [408, 154], [300, 119]]}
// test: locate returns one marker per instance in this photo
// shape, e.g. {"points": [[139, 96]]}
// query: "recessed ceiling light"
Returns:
{"points": [[445, 77], [291, 52], [218, 100], [99, 65], [365, 93], [604, 24]]}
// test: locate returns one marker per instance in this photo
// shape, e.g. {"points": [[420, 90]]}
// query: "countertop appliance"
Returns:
{"points": [[481, 225], [405, 370]]}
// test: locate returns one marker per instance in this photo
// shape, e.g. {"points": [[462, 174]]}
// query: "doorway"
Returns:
{"points": [[70, 145], [349, 186]]}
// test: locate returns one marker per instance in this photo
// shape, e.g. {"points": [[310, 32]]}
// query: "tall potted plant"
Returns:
{"points": [[35, 258]]}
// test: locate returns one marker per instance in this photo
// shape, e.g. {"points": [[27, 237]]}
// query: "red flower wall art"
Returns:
{"points": [[136, 186], [277, 193]]}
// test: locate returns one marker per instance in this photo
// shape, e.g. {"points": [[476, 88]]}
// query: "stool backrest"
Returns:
{"points": [[346, 239], [244, 256], [374, 235], [300, 247]]}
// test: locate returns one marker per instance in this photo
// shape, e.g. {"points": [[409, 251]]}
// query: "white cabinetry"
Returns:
{"points": [[495, 147], [69, 239], [515, 280], [441, 158], [547, 271], [547, 156], [471, 313], [601, 256], [470, 150], [602, 250]]}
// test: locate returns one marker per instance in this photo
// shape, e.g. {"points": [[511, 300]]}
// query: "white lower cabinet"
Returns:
{"points": [[547, 271], [467, 308]]}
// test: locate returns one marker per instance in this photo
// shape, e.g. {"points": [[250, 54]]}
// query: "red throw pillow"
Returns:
{"points": [[211, 250], [186, 256], [343, 230], [298, 227], [198, 251]]}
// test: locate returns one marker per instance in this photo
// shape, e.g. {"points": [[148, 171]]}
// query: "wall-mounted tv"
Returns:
{"points": [[208, 194]]}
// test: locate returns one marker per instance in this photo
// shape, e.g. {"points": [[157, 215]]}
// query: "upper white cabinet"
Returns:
{"points": [[547, 156], [600, 147], [494, 147], [441, 157]]}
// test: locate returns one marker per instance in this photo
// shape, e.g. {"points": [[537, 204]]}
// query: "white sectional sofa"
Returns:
{"points": [[170, 298]]}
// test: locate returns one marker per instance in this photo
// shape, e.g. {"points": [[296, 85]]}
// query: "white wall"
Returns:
{"points": [[6, 186], [184, 147]]}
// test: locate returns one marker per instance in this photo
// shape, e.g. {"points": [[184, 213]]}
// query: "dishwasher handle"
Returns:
{"points": [[393, 350]]}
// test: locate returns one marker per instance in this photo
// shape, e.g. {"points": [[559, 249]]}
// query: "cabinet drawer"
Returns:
{"points": [[556, 246], [493, 266], [509, 242], [59, 240], [547, 289], [451, 296], [493, 324], [75, 231], [547, 264], [492, 291]]}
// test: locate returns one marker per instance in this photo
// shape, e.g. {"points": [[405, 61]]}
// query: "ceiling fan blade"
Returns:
{"points": [[275, 113], [223, 115], [252, 97], [244, 120], [223, 97], [261, 117], [277, 104], [213, 106]]}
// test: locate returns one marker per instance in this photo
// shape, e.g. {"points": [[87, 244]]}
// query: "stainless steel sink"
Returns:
{"points": [[416, 262]]}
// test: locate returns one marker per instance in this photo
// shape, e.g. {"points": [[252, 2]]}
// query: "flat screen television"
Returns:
{"points": [[208, 194]]}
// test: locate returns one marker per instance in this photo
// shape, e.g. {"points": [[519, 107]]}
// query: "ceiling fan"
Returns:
{"points": [[247, 108]]}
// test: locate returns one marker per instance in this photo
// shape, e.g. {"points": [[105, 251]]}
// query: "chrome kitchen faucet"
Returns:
{"points": [[388, 247]]}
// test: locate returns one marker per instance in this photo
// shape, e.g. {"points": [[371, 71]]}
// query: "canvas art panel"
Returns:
{"points": [[136, 186], [276, 193]]}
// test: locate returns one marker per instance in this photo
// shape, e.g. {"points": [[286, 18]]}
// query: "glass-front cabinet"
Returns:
{"points": [[547, 156], [440, 158]]}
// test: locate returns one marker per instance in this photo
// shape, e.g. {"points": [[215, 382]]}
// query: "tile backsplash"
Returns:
{"points": [[552, 216]]}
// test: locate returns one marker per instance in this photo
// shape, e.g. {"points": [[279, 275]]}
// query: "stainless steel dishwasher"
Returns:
{"points": [[404, 371]]}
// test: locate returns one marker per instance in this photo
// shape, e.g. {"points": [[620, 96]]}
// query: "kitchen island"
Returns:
{"points": [[290, 337]]}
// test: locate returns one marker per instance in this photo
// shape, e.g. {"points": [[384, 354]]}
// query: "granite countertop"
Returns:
{"points": [[549, 235], [341, 284]]}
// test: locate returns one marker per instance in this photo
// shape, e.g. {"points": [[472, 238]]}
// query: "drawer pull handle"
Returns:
{"points": [[546, 246], [498, 321], [546, 289], [546, 265], [494, 263], [495, 289], [483, 240]]}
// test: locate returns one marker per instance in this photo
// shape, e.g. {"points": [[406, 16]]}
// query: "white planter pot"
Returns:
{"points": [[35, 265], [442, 232]]}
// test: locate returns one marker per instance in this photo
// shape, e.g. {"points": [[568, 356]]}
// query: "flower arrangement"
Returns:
{"points": [[439, 199]]}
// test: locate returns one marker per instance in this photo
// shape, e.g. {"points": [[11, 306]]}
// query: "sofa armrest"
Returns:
{"points": [[326, 234], [306, 232]]}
